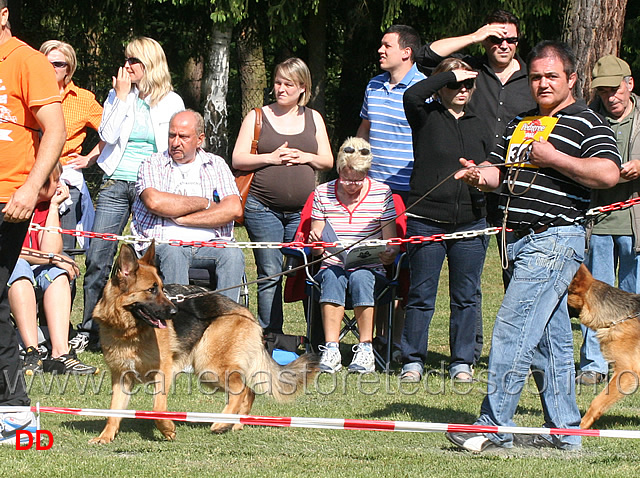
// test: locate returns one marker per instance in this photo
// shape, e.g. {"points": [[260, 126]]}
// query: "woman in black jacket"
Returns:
{"points": [[443, 132]]}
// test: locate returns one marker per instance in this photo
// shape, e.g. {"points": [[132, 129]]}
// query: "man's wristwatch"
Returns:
{"points": [[50, 256]]}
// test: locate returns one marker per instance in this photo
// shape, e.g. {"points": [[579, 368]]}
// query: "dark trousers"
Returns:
{"points": [[12, 386]]}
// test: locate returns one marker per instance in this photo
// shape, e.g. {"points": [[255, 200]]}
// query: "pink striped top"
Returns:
{"points": [[368, 215]]}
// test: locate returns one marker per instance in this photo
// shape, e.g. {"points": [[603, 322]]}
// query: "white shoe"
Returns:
{"points": [[11, 422], [363, 360], [331, 360]]}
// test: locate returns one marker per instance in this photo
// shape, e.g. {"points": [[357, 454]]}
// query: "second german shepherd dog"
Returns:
{"points": [[146, 338], [613, 314]]}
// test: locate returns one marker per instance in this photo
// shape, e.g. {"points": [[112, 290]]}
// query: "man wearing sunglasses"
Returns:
{"points": [[502, 89]]}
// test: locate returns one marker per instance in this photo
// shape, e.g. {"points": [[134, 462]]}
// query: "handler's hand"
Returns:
{"points": [[542, 153]]}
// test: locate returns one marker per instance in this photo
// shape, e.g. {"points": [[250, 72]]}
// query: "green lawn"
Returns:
{"points": [[139, 449]]}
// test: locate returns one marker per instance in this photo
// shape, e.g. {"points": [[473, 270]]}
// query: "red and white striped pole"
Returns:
{"points": [[326, 423]]}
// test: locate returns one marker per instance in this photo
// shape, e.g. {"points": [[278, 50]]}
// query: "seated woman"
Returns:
{"points": [[43, 266], [355, 206]]}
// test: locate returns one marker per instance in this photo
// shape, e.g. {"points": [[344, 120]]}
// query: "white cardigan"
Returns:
{"points": [[118, 119]]}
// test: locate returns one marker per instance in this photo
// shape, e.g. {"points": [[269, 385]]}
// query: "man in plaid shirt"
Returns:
{"points": [[187, 194]]}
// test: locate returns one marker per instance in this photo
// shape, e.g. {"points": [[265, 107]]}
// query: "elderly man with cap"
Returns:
{"points": [[615, 238]]}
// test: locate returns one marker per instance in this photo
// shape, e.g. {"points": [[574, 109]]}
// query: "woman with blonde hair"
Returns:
{"points": [[81, 111], [293, 144], [356, 207], [135, 124], [443, 131]]}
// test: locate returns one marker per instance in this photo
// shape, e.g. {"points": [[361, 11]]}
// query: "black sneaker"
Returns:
{"points": [[474, 442], [68, 364], [32, 362]]}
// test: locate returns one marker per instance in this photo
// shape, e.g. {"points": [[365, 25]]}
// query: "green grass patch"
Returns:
{"points": [[139, 449]]}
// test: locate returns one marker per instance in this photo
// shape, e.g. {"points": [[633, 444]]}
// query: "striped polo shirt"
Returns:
{"points": [[369, 214], [554, 199], [390, 133]]}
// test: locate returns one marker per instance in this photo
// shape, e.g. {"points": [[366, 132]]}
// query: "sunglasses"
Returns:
{"points": [[498, 40], [351, 182], [132, 60], [456, 85], [59, 64], [351, 150]]}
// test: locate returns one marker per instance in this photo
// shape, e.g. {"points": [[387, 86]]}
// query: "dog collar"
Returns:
{"points": [[616, 322]]}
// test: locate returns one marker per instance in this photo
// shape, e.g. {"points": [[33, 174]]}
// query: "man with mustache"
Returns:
{"points": [[188, 194]]}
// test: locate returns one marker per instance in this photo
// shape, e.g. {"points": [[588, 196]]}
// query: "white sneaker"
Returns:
{"points": [[11, 422], [79, 343], [331, 360], [363, 360]]}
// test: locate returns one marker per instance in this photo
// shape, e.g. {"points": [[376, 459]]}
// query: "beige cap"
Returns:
{"points": [[609, 71]]}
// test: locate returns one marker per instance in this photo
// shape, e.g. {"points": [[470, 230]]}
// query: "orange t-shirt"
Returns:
{"points": [[27, 80], [81, 110]]}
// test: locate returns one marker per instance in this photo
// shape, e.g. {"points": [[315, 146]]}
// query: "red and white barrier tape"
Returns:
{"points": [[326, 423]]}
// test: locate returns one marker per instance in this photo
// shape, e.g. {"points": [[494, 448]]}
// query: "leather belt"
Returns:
{"points": [[525, 232]]}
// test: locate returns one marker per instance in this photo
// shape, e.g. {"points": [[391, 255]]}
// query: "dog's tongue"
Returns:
{"points": [[162, 324]]}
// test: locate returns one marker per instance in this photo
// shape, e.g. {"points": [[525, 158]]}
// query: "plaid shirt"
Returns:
{"points": [[157, 171]]}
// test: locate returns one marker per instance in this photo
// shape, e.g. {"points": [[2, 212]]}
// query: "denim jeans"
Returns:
{"points": [[267, 225], [226, 265], [465, 258], [12, 390], [606, 255], [113, 209], [533, 331], [364, 285], [70, 218]]}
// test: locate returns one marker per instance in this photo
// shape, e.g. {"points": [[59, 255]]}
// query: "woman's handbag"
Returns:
{"points": [[244, 178]]}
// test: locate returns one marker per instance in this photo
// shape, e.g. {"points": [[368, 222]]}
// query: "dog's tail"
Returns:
{"points": [[283, 383]]}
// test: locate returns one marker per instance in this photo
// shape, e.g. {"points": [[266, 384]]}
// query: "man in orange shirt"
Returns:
{"points": [[32, 133]]}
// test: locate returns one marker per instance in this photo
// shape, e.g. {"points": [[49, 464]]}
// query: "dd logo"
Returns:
{"points": [[39, 445]]}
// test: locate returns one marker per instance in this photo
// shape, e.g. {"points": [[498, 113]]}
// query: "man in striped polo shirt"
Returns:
{"points": [[562, 149], [384, 124]]}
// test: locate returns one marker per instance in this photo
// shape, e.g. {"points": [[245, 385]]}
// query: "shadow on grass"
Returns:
{"points": [[423, 413], [145, 428]]}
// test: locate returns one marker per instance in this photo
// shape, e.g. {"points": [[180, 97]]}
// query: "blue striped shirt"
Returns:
{"points": [[390, 133]]}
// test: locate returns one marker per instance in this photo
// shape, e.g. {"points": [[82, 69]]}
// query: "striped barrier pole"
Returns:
{"points": [[323, 423]]}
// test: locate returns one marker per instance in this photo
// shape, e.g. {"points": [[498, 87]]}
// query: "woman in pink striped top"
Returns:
{"points": [[353, 206]]}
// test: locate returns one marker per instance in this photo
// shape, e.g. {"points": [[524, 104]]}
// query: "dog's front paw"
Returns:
{"points": [[222, 427], [167, 428], [101, 440]]}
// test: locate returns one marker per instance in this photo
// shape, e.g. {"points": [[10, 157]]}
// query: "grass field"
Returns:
{"points": [[139, 449]]}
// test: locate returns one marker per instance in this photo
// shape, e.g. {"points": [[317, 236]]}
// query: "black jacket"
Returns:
{"points": [[439, 141]]}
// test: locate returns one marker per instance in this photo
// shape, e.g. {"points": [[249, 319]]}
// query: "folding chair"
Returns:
{"points": [[304, 287], [203, 278]]}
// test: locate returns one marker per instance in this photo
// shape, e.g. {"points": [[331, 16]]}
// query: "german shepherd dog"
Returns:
{"points": [[613, 314], [146, 338]]}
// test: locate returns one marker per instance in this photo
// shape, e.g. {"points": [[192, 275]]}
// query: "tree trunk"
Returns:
{"points": [[253, 77], [193, 73], [593, 28], [216, 85], [318, 56]]}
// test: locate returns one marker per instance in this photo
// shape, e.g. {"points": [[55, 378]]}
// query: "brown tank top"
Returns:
{"points": [[285, 188]]}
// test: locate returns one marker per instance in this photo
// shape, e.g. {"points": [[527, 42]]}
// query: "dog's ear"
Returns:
{"points": [[578, 288], [126, 264], [150, 256]]}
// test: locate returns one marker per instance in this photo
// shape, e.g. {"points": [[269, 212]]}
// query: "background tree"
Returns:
{"points": [[593, 28]]}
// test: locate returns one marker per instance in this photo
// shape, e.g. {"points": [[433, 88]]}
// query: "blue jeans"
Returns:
{"points": [[267, 225], [533, 331], [606, 255], [226, 265], [70, 218], [113, 209], [465, 258], [40, 277], [364, 285]]}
